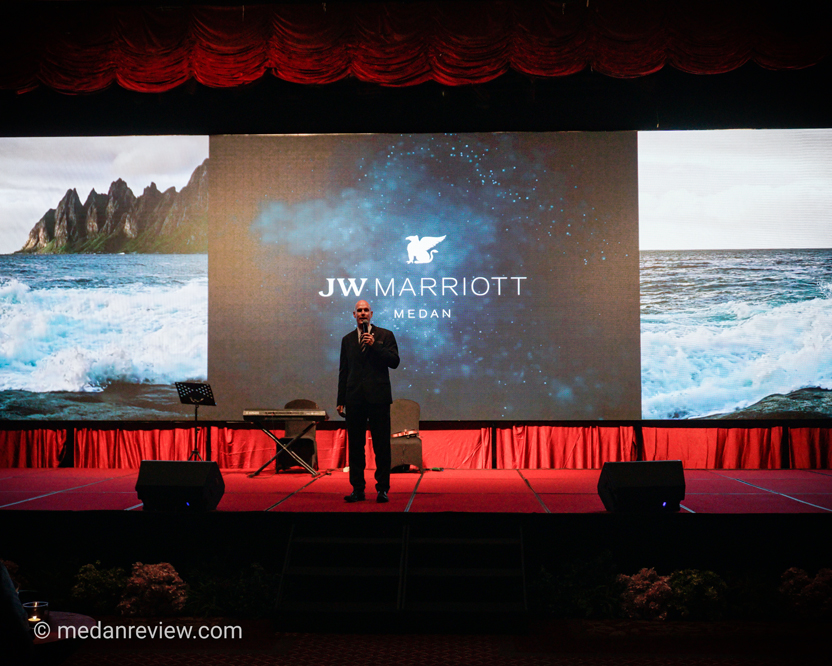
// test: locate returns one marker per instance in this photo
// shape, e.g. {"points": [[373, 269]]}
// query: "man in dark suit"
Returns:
{"points": [[364, 396]]}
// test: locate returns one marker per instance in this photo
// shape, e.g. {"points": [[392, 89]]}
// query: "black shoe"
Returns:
{"points": [[354, 497], [382, 497]]}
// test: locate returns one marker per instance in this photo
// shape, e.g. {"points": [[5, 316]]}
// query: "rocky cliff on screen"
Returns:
{"points": [[119, 221]]}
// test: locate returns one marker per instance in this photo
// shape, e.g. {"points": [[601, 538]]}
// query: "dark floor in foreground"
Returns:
{"points": [[567, 642]]}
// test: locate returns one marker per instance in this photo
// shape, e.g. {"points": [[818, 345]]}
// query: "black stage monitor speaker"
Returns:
{"points": [[654, 486], [175, 485]]}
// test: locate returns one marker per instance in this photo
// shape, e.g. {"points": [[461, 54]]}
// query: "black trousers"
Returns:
{"points": [[359, 415]]}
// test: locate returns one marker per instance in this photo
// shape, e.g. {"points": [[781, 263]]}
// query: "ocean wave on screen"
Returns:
{"points": [[694, 369], [85, 339], [12, 291]]}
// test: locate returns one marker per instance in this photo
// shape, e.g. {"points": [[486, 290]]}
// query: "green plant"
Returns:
{"points": [[583, 587], [14, 573], [752, 594], [98, 590], [807, 596], [249, 592], [152, 590], [697, 595]]}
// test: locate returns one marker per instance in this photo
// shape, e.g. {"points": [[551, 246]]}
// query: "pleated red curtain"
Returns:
{"points": [[235, 448], [86, 47], [517, 447], [243, 448], [125, 449], [31, 448], [810, 448], [452, 449], [457, 449], [557, 447], [716, 448]]}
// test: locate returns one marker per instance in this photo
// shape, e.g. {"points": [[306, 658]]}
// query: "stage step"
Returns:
{"points": [[353, 566], [348, 566], [451, 570]]}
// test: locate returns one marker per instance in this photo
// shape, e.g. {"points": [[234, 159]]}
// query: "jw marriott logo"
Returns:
{"points": [[419, 250], [502, 285], [422, 251]]}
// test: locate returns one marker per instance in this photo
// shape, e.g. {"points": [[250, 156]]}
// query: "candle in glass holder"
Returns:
{"points": [[36, 611]]}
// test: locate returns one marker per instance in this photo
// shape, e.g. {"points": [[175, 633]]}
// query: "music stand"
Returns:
{"points": [[196, 394]]}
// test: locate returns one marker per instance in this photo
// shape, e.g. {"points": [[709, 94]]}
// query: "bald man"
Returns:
{"points": [[364, 397]]}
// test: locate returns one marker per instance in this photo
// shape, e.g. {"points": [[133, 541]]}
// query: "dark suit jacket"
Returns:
{"points": [[364, 376]]}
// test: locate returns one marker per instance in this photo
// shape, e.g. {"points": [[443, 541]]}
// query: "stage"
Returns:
{"points": [[514, 491], [452, 548]]}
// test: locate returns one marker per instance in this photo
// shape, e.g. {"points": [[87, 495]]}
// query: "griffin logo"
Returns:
{"points": [[419, 250]]}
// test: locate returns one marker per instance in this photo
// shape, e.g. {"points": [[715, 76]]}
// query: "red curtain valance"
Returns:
{"points": [[810, 448], [716, 448], [86, 47], [31, 448], [517, 447], [559, 447], [237, 448]]}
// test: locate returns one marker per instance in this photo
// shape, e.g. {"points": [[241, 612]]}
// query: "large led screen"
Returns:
{"points": [[505, 264], [103, 276], [526, 276], [736, 274]]}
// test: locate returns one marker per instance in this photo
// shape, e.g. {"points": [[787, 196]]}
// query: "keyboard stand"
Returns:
{"points": [[287, 449]]}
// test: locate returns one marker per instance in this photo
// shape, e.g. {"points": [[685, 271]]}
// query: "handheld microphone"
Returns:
{"points": [[364, 329]]}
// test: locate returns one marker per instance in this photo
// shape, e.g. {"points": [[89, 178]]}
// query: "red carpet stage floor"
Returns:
{"points": [[480, 491]]}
